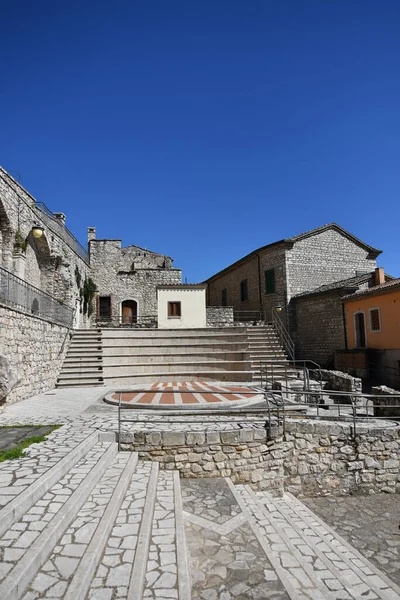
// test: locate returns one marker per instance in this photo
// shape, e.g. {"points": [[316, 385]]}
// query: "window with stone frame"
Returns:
{"points": [[244, 292], [270, 281], [374, 319], [104, 307], [174, 310], [224, 297]]}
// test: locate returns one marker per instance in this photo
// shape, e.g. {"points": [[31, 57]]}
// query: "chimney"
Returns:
{"points": [[60, 217], [91, 234], [379, 276]]}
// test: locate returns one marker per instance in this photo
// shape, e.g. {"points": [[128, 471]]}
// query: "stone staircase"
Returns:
{"points": [[128, 356], [83, 364], [264, 348], [142, 355], [101, 525]]}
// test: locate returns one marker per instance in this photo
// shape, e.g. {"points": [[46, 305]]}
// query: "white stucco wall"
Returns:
{"points": [[193, 307]]}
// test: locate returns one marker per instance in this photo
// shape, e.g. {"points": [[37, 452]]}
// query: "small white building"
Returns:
{"points": [[181, 306]]}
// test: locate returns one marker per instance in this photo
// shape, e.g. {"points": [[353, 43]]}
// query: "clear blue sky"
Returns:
{"points": [[205, 129]]}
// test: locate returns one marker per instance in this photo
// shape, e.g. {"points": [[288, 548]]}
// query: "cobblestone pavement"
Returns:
{"points": [[80, 521], [370, 524]]}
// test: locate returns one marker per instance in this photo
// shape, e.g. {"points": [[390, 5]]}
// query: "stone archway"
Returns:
{"points": [[129, 312]]}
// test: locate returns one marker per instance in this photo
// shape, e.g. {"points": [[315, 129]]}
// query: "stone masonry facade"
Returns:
{"points": [[33, 351], [130, 273]]}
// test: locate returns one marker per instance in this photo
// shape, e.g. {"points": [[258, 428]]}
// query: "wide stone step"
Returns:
{"points": [[200, 347], [167, 366], [222, 332], [176, 375], [35, 535], [16, 504], [173, 357], [79, 382], [70, 562]]}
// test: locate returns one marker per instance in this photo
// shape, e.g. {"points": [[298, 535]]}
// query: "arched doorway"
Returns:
{"points": [[129, 312], [359, 327]]}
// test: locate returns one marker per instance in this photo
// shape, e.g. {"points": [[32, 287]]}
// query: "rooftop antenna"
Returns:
{"points": [[17, 172]]}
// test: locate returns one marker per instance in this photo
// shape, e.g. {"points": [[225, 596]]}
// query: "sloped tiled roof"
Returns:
{"points": [[388, 286], [351, 282]]}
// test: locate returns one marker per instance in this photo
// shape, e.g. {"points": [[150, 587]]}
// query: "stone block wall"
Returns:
{"points": [[387, 406], [130, 274], [338, 381], [312, 458], [321, 458], [317, 327], [32, 352], [245, 455], [219, 316], [324, 258]]}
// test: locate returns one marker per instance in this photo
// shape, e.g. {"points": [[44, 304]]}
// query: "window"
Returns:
{"points": [[224, 298], [174, 310], [104, 307], [374, 319], [270, 281], [244, 294]]}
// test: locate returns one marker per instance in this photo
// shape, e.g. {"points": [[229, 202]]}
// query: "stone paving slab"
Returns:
{"points": [[370, 524]]}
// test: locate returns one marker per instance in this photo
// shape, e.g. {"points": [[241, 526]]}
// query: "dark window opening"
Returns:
{"points": [[270, 281], [375, 320], [224, 298], [244, 293], [104, 307], [174, 309]]}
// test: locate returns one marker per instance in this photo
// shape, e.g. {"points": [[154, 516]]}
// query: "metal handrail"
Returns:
{"points": [[283, 334], [16, 292]]}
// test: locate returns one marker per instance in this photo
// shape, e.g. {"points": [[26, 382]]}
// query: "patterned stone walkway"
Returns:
{"points": [[80, 521], [186, 393]]}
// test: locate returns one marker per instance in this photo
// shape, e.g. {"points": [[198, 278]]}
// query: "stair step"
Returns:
{"points": [[89, 523], [17, 507], [63, 507]]}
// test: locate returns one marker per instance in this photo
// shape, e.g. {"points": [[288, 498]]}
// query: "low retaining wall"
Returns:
{"points": [[312, 458], [388, 407], [245, 454], [31, 354], [219, 316], [339, 381]]}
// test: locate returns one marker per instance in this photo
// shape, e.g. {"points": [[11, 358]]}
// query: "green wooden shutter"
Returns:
{"points": [[270, 281]]}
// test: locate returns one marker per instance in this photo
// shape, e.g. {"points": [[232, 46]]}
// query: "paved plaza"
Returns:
{"points": [[79, 520]]}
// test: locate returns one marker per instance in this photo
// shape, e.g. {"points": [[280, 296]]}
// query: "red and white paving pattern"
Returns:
{"points": [[188, 393]]}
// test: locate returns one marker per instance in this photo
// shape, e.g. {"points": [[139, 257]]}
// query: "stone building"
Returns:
{"points": [[278, 273], [318, 326], [127, 280], [42, 291]]}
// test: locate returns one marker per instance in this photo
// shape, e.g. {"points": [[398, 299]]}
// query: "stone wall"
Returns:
{"points": [[388, 406], [321, 458], [317, 327], [312, 458], [245, 455], [323, 258], [219, 316], [50, 262], [32, 352], [338, 381], [130, 273]]}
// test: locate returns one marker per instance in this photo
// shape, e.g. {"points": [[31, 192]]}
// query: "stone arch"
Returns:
{"points": [[129, 311], [40, 264], [6, 241]]}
